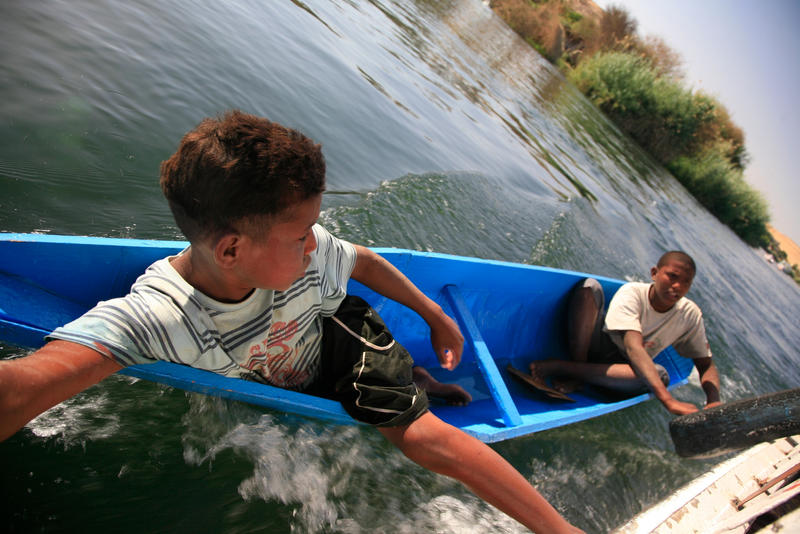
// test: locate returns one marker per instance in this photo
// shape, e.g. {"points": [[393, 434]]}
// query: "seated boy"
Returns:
{"points": [[260, 294], [616, 350]]}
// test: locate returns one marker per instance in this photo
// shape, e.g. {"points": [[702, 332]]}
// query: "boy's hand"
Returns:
{"points": [[713, 404], [447, 341], [679, 407], [448, 360]]}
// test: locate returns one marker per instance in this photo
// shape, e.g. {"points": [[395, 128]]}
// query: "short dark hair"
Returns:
{"points": [[679, 256], [239, 167]]}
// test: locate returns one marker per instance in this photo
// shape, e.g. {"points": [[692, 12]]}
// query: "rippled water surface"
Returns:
{"points": [[442, 131]]}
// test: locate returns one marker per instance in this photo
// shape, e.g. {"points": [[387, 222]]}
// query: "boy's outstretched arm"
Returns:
{"points": [[643, 366], [378, 274], [34, 383], [444, 449]]}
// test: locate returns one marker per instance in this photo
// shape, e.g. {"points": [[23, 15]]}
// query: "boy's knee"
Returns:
{"points": [[663, 374], [428, 441], [590, 288]]}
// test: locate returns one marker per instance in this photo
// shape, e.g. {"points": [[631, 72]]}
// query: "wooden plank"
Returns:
{"points": [[488, 367]]}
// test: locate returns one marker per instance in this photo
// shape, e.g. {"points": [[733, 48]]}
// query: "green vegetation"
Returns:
{"points": [[682, 130], [665, 119], [719, 186], [638, 84]]}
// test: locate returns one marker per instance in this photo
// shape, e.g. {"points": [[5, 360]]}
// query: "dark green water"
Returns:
{"points": [[443, 132]]}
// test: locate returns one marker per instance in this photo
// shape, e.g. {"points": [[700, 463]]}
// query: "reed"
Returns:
{"points": [[538, 24]]}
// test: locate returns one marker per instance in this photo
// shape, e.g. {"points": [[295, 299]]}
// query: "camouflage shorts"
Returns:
{"points": [[366, 369]]}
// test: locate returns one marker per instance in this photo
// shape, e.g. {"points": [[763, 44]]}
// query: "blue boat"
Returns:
{"points": [[509, 314]]}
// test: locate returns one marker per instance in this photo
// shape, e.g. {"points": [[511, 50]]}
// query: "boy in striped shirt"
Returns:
{"points": [[260, 294]]}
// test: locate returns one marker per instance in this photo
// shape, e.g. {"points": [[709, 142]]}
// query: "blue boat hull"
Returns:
{"points": [[509, 313]]}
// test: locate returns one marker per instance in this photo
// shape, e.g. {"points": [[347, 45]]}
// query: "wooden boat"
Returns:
{"points": [[754, 491], [509, 313]]}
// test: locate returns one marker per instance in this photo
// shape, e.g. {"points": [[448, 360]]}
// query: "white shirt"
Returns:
{"points": [[681, 326]]}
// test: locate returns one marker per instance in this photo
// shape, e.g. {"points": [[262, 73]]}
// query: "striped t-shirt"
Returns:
{"points": [[271, 336]]}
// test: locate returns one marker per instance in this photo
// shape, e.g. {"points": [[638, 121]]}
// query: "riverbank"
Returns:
{"points": [[786, 244], [637, 82]]}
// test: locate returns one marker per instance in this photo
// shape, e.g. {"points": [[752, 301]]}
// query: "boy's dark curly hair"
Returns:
{"points": [[239, 169]]}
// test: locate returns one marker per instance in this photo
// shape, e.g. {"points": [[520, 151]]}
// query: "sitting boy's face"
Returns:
{"points": [[671, 283], [281, 256]]}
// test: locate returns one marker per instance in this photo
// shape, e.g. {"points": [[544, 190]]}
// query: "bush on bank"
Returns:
{"points": [[721, 189], [665, 119], [638, 84], [681, 129]]}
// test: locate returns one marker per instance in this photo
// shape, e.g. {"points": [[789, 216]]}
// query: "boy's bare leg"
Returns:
{"points": [[581, 317], [453, 394], [444, 449], [616, 376]]}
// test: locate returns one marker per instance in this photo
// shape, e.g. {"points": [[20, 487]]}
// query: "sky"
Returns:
{"points": [[746, 53]]}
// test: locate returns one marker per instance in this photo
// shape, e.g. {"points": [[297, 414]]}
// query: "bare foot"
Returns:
{"points": [[567, 385], [541, 370], [453, 394]]}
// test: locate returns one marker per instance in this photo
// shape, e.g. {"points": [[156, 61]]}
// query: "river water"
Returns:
{"points": [[443, 131]]}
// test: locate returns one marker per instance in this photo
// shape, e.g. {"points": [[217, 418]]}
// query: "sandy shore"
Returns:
{"points": [[791, 248]]}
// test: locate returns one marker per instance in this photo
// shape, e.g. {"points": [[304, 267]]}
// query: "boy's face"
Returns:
{"points": [[281, 256], [671, 283]]}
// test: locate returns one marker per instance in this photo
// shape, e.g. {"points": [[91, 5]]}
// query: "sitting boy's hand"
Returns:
{"points": [[679, 407]]}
